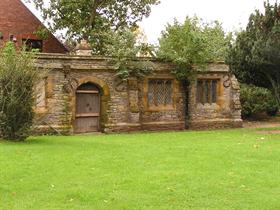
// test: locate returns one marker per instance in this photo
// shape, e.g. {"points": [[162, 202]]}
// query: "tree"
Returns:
{"points": [[17, 80], [192, 44], [93, 19], [124, 48], [255, 56]]}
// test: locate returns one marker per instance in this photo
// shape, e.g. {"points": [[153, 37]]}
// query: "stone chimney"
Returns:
{"points": [[83, 48]]}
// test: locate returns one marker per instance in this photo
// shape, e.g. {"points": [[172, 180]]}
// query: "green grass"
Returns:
{"points": [[231, 169]]}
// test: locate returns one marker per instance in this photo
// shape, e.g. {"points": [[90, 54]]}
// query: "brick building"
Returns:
{"points": [[17, 23]]}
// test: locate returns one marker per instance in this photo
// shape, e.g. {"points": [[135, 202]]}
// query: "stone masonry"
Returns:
{"points": [[124, 105], [226, 113]]}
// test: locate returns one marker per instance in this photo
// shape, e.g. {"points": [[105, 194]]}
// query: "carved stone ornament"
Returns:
{"points": [[234, 83], [83, 48], [120, 85], [227, 81], [70, 83]]}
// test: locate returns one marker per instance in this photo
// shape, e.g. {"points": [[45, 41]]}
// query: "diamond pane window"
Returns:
{"points": [[159, 92]]}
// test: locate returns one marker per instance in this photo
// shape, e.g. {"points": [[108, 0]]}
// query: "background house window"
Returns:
{"points": [[33, 44], [206, 91], [159, 92]]}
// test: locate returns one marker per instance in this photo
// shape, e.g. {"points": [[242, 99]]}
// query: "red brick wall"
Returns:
{"points": [[16, 19]]}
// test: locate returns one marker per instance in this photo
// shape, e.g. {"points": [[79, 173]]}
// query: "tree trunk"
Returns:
{"points": [[185, 89]]}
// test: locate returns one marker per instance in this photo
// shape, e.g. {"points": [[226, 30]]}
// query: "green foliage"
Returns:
{"points": [[17, 79], [256, 100], [192, 44], [125, 47], [93, 19], [42, 33], [254, 57], [107, 25]]}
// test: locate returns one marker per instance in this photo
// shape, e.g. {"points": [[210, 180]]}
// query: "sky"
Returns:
{"points": [[233, 14]]}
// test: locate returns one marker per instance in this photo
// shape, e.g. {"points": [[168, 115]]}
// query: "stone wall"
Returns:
{"points": [[227, 111], [124, 104], [172, 118]]}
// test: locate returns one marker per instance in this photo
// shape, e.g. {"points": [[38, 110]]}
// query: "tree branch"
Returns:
{"points": [[95, 5]]}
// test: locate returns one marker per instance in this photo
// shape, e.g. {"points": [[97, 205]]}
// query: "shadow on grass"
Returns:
{"points": [[29, 141], [117, 138], [43, 141]]}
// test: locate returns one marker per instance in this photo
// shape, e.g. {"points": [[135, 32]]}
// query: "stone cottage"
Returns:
{"points": [[79, 94]]}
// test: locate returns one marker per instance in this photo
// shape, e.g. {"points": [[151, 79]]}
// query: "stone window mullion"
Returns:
{"points": [[206, 91]]}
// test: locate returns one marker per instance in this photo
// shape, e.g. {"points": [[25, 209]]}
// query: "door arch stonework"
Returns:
{"points": [[104, 99]]}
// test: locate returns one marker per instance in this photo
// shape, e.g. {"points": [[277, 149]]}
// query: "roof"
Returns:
{"points": [[16, 19]]}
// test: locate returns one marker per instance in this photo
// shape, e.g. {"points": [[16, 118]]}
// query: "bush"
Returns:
{"points": [[272, 108], [17, 79], [256, 100]]}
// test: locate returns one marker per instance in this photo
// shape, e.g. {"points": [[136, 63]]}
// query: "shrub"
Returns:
{"points": [[272, 107], [17, 79], [256, 100]]}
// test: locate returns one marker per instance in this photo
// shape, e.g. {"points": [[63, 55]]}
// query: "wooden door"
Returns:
{"points": [[87, 108]]}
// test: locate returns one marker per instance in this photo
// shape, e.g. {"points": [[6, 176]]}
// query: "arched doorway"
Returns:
{"points": [[87, 116]]}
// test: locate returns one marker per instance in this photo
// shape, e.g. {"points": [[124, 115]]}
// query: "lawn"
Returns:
{"points": [[230, 169]]}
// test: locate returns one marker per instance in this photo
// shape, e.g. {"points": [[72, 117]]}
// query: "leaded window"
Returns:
{"points": [[159, 92], [207, 91]]}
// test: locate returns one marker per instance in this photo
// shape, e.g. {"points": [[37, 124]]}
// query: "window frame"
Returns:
{"points": [[206, 97], [25, 40], [159, 108]]}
